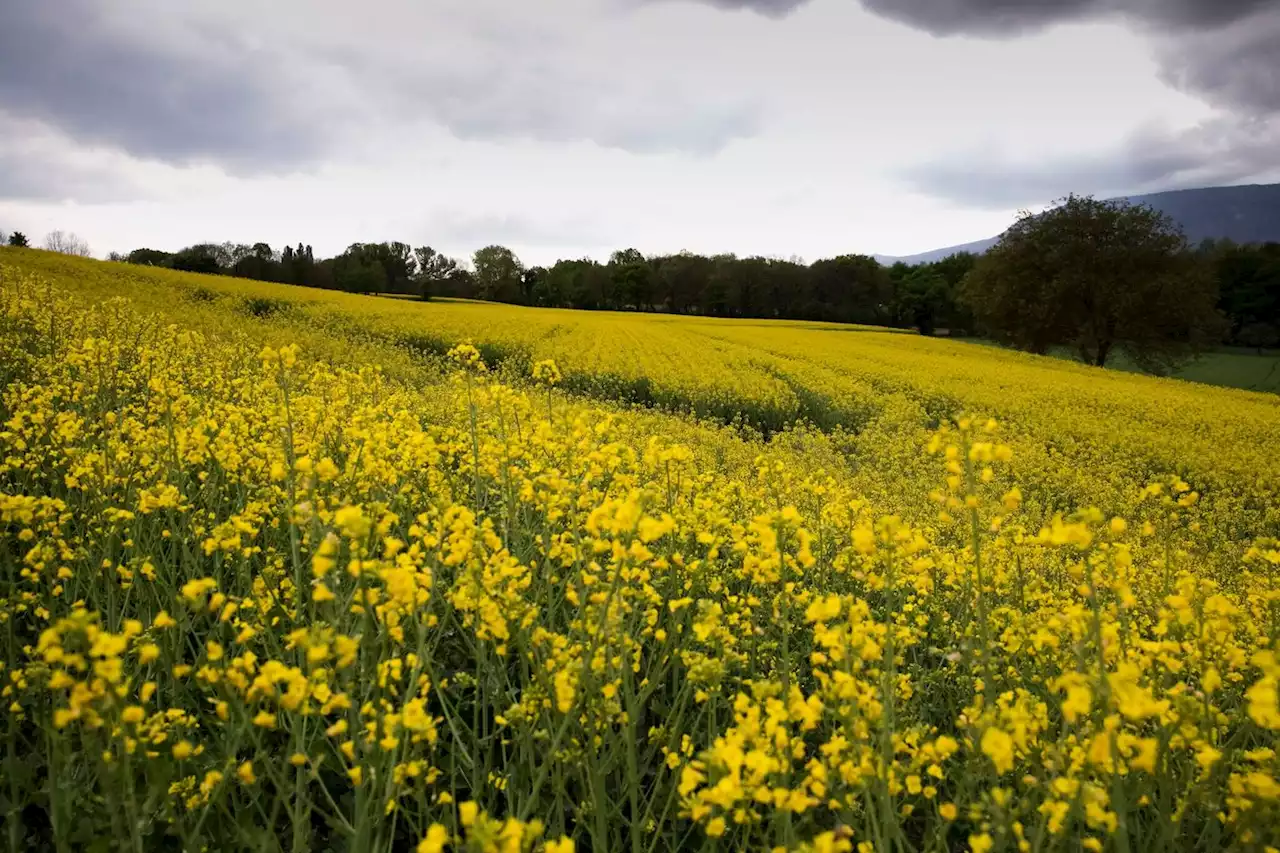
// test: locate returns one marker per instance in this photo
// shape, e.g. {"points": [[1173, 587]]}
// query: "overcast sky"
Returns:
{"points": [[564, 128]]}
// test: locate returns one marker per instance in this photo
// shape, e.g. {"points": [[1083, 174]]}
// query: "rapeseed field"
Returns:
{"points": [[286, 569]]}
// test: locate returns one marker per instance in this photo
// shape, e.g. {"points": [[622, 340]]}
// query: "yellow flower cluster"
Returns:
{"points": [[280, 583]]}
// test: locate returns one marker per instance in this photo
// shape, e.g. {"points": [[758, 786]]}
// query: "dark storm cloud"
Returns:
{"points": [[1224, 151], [1012, 17], [172, 98], [1009, 17], [1237, 66]]}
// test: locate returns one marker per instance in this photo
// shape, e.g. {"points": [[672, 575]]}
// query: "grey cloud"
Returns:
{"points": [[642, 124], [771, 8], [1008, 17], [1012, 17], [38, 178], [501, 87], [983, 17], [178, 97], [1224, 151], [1226, 52], [189, 86], [1237, 66], [466, 229], [37, 165]]}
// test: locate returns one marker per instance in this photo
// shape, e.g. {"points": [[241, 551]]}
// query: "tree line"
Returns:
{"points": [[1095, 276], [848, 288]]}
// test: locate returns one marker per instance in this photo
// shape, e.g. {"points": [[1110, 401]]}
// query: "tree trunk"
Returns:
{"points": [[1100, 359]]}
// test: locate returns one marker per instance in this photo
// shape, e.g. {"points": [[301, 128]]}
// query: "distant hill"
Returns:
{"points": [[1247, 214], [977, 247]]}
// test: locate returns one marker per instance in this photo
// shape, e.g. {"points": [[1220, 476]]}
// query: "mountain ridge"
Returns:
{"points": [[1246, 213]]}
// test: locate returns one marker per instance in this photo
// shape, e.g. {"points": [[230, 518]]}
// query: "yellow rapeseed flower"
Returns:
{"points": [[435, 840], [998, 746]]}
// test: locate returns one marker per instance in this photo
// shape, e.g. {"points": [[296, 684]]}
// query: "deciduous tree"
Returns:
{"points": [[434, 271], [632, 278], [149, 257], [202, 257], [498, 274], [67, 244], [1249, 287], [1099, 277], [850, 288]]}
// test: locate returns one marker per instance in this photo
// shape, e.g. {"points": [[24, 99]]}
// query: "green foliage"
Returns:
{"points": [[356, 273], [1259, 335], [435, 271], [17, 238], [856, 288], [681, 280], [632, 278], [298, 266], [257, 262], [1097, 276], [921, 298], [203, 257], [150, 257], [376, 268], [1249, 283], [498, 274]]}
